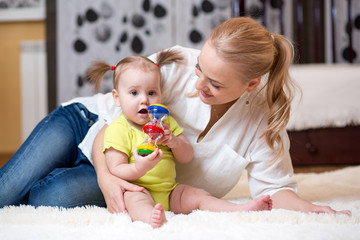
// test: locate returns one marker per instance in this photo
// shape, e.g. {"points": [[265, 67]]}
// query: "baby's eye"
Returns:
{"points": [[152, 93], [134, 93]]}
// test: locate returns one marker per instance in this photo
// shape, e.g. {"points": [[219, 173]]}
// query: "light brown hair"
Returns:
{"points": [[257, 52], [97, 70]]}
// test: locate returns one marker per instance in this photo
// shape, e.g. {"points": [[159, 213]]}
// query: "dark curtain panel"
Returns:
{"points": [[309, 31]]}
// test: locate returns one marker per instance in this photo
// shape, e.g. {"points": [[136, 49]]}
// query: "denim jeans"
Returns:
{"points": [[49, 169]]}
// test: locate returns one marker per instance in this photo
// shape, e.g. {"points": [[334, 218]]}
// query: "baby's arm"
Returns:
{"points": [[180, 146], [118, 165]]}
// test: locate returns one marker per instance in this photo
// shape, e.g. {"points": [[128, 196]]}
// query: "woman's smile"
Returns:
{"points": [[205, 95]]}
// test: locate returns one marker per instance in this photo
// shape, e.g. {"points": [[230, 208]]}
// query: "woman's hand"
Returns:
{"points": [[113, 189]]}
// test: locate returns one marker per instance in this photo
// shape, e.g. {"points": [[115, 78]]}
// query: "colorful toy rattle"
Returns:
{"points": [[154, 129]]}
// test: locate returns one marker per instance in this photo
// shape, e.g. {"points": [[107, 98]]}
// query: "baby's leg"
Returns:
{"points": [[141, 207], [185, 199]]}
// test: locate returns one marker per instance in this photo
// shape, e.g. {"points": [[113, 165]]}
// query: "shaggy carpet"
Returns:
{"points": [[340, 189]]}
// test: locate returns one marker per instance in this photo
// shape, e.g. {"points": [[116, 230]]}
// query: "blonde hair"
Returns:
{"points": [[257, 52], [97, 70]]}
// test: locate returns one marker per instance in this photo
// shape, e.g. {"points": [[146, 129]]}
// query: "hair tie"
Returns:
{"points": [[113, 68], [157, 64]]}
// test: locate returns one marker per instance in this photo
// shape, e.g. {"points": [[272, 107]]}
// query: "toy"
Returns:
{"points": [[154, 129]]}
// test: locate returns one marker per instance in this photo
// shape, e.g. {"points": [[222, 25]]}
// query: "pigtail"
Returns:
{"points": [[96, 73], [279, 92], [97, 70], [169, 56]]}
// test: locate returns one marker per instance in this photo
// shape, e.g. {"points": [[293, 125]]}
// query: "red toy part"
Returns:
{"points": [[153, 132]]}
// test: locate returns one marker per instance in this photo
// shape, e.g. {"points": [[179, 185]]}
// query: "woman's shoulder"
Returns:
{"points": [[96, 103], [190, 54], [186, 50]]}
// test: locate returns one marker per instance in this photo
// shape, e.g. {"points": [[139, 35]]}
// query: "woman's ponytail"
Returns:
{"points": [[279, 92]]}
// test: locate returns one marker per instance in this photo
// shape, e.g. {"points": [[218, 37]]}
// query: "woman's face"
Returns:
{"points": [[219, 81]]}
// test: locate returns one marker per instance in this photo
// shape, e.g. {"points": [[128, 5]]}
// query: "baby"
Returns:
{"points": [[137, 84]]}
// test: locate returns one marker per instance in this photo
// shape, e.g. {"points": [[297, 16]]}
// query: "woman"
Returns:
{"points": [[233, 118], [235, 121]]}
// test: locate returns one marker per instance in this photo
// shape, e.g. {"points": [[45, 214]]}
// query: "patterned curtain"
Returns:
{"points": [[88, 30], [323, 31]]}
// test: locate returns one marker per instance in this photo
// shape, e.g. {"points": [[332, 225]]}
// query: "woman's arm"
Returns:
{"points": [[111, 186], [287, 199], [264, 175]]}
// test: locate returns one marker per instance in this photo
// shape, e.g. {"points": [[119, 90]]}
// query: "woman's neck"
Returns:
{"points": [[217, 111]]}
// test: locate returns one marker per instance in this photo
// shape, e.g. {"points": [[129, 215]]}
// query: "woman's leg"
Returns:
{"points": [[51, 145], [68, 187], [184, 199]]}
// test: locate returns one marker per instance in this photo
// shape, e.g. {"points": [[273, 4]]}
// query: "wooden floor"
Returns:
{"points": [[303, 169], [4, 158], [317, 169]]}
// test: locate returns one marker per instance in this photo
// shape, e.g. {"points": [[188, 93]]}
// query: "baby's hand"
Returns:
{"points": [[168, 139], [145, 164]]}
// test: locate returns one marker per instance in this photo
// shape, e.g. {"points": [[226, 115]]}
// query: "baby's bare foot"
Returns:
{"points": [[259, 204], [157, 218]]}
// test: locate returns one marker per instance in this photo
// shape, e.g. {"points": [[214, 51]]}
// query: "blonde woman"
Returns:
{"points": [[233, 100]]}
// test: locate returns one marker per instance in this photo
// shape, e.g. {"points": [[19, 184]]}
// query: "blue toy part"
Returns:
{"points": [[158, 111], [153, 130]]}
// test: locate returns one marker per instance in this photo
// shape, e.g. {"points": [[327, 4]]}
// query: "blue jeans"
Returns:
{"points": [[49, 169]]}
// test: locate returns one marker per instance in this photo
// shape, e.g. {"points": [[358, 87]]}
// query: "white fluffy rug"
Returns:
{"points": [[340, 189]]}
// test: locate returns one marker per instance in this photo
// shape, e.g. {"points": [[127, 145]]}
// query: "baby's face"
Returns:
{"points": [[137, 88]]}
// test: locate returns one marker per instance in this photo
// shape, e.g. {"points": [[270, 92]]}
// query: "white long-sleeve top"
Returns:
{"points": [[233, 144]]}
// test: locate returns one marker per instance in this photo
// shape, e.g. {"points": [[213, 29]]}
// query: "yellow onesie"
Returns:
{"points": [[160, 180]]}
